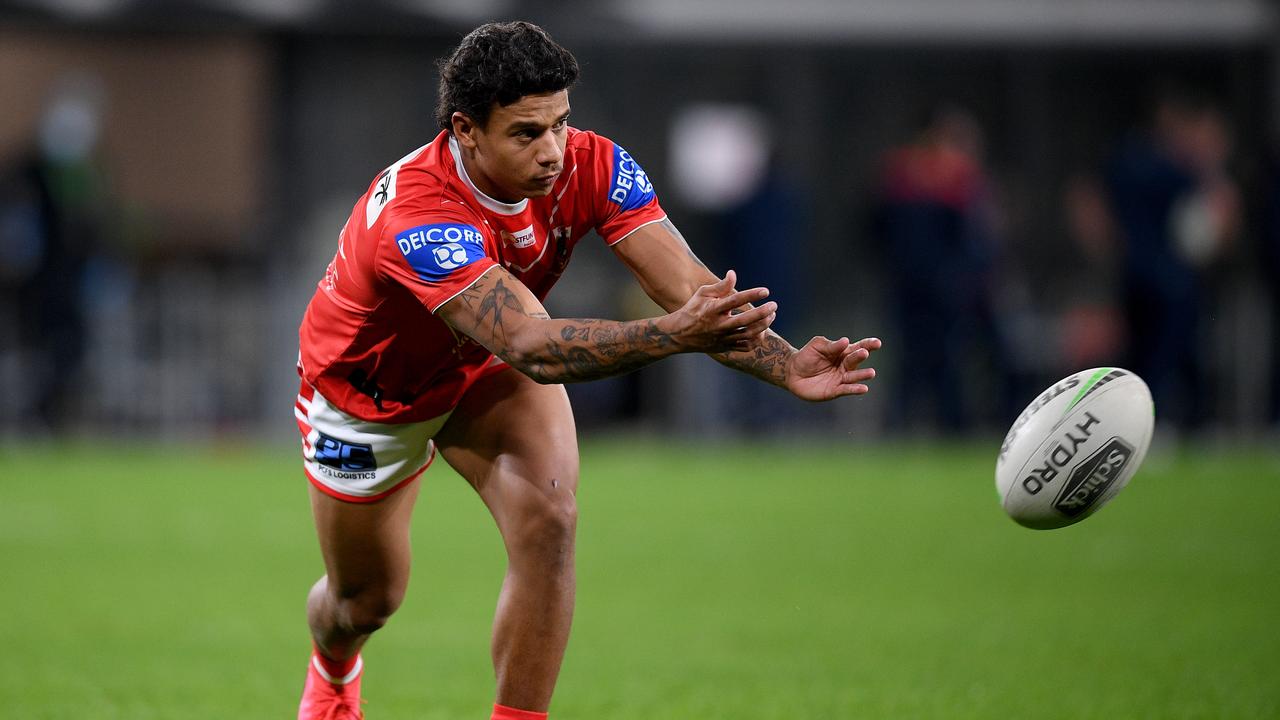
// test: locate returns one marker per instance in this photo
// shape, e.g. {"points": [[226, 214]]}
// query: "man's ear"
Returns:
{"points": [[464, 129]]}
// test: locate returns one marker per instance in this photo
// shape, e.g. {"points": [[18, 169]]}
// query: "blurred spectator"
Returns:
{"points": [[1271, 272], [51, 212], [762, 238], [724, 166], [1176, 209], [1093, 324], [936, 221]]}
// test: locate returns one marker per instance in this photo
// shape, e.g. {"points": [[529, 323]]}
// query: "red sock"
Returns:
{"points": [[339, 671], [502, 712]]}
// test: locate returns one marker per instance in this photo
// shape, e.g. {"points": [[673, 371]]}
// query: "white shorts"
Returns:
{"points": [[359, 461]]}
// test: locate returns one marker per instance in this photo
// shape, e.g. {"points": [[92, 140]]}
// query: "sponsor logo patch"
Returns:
{"points": [[384, 191], [631, 187], [520, 238], [1091, 478], [344, 456], [435, 251], [343, 475]]}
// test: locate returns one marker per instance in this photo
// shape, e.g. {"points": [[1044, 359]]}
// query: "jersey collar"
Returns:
{"points": [[495, 206]]}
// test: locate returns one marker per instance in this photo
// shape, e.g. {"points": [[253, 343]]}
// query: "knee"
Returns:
{"points": [[545, 527], [367, 609], [555, 517]]}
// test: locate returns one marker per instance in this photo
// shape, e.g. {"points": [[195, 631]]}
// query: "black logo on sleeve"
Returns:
{"points": [[1091, 478]]}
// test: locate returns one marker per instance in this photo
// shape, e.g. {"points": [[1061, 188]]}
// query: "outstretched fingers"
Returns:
{"points": [[853, 377], [831, 349], [737, 299], [720, 288], [861, 375], [871, 344], [745, 327], [726, 283], [726, 298], [719, 318], [856, 353], [750, 316]]}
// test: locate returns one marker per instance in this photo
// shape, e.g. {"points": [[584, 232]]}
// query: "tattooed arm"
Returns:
{"points": [[500, 313], [669, 272]]}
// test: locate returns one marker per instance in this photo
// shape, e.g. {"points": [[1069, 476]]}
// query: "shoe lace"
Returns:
{"points": [[341, 708]]}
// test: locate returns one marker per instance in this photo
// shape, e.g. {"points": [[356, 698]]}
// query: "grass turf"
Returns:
{"points": [[721, 581]]}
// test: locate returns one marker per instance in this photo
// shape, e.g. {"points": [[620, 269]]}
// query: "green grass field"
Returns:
{"points": [[724, 581]]}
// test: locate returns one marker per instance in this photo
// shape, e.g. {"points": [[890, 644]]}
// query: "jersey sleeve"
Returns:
{"points": [[434, 257], [623, 196]]}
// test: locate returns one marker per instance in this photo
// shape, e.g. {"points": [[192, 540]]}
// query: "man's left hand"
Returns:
{"points": [[824, 369]]}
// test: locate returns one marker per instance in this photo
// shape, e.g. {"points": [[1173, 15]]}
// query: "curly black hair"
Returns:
{"points": [[501, 63]]}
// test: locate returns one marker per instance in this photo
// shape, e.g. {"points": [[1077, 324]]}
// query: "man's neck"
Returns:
{"points": [[480, 187]]}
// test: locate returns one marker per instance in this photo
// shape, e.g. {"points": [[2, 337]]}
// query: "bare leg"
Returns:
{"points": [[366, 559], [515, 442]]}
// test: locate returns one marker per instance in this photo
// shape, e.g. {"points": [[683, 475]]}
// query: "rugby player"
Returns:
{"points": [[427, 334]]}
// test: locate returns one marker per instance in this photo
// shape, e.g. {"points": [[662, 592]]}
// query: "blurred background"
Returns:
{"points": [[1004, 190]]}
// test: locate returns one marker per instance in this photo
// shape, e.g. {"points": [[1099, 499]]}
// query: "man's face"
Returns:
{"points": [[519, 153]]}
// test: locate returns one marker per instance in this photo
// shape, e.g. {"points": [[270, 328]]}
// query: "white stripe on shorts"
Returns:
{"points": [[357, 460]]}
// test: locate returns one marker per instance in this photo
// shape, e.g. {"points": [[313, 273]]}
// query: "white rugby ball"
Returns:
{"points": [[1074, 447]]}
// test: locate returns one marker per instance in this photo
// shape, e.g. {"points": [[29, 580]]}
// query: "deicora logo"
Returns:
{"points": [[631, 186], [450, 256], [435, 251], [421, 237]]}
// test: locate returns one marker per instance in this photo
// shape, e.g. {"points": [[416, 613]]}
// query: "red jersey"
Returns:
{"points": [[423, 233]]}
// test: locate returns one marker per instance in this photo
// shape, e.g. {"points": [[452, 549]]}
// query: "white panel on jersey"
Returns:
{"points": [[384, 189]]}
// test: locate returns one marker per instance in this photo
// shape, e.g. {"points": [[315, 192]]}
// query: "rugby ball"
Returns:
{"points": [[1074, 447]]}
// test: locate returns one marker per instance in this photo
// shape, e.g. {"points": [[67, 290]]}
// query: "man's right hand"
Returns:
{"points": [[714, 318], [501, 314]]}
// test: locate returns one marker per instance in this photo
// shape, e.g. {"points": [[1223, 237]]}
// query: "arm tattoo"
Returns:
{"points": [[766, 359], [499, 300], [571, 349], [589, 349]]}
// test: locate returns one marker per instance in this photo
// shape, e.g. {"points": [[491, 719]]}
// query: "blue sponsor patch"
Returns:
{"points": [[344, 455], [435, 251], [631, 187]]}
